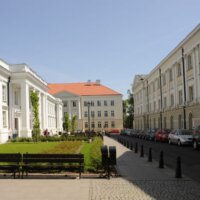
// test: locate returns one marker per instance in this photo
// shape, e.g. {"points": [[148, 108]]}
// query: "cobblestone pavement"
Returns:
{"points": [[121, 189], [141, 180]]}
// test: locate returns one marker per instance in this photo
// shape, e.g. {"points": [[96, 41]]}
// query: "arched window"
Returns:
{"points": [[190, 121]]}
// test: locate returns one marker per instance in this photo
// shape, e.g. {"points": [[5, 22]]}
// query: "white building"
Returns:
{"points": [[16, 83], [105, 108], [169, 96]]}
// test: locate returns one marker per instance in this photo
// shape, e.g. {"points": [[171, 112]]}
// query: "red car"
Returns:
{"points": [[162, 135]]}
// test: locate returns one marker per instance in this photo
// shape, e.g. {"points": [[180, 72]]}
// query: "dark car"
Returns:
{"points": [[162, 135], [196, 137], [150, 134]]}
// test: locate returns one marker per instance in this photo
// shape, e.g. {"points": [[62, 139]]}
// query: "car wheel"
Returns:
{"points": [[179, 143], [169, 141], [195, 145]]}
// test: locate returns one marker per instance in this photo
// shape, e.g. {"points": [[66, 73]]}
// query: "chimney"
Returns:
{"points": [[88, 82], [98, 82]]}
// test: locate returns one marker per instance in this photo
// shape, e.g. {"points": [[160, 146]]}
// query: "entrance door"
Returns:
{"points": [[16, 131]]}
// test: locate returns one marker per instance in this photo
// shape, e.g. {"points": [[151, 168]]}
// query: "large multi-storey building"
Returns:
{"points": [[103, 104], [16, 117], [169, 96]]}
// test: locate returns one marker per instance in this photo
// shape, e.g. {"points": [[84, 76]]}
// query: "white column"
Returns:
{"points": [[44, 111], [40, 110], [25, 111]]}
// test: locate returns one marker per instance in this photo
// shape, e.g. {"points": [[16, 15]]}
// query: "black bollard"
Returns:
{"points": [[142, 151], [161, 161], [136, 147], [178, 168], [131, 146], [150, 155]]}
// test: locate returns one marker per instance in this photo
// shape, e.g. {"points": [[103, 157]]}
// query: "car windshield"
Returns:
{"points": [[186, 132]]}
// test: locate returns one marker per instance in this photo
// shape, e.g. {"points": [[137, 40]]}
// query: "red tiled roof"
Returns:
{"points": [[81, 89]]}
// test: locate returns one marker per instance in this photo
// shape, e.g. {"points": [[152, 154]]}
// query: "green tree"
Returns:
{"points": [[74, 123], [66, 123], [128, 111], [35, 108]]}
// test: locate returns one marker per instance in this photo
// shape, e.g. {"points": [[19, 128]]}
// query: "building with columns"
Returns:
{"points": [[169, 96], [16, 83], [103, 104]]}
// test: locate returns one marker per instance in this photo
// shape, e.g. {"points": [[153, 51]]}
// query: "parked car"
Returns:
{"points": [[180, 137], [162, 135], [150, 134], [114, 132], [196, 137], [141, 134]]}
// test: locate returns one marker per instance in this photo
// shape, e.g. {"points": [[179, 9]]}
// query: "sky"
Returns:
{"points": [[68, 41]]}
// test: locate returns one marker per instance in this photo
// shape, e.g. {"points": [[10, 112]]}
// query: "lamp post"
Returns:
{"points": [[184, 89], [88, 104], [160, 99]]}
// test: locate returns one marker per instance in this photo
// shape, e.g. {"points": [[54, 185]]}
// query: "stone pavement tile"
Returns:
{"points": [[44, 189]]}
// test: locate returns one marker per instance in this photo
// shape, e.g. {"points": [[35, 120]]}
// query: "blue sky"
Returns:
{"points": [[80, 40]]}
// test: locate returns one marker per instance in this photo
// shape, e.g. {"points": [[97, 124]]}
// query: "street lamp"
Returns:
{"points": [[88, 104]]}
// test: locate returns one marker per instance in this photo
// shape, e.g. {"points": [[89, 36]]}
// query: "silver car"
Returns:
{"points": [[180, 137]]}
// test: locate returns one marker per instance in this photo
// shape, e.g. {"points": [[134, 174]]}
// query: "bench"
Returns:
{"points": [[52, 163], [10, 162]]}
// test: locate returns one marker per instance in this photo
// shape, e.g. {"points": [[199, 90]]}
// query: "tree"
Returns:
{"points": [[128, 111], [36, 123], [66, 123], [74, 123]]}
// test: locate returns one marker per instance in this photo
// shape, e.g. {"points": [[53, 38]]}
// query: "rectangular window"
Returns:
{"points": [[105, 103], [191, 93], [113, 124], [86, 124], [85, 114], [92, 103], [92, 114], [165, 102], [93, 125], [99, 113], [4, 93], [189, 62], [106, 125], [112, 113], [179, 71], [74, 103], [65, 104], [85, 103], [112, 102], [98, 103], [16, 94], [99, 124], [180, 97], [105, 113], [4, 119], [154, 106]]}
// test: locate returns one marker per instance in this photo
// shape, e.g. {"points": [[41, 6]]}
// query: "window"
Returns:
{"points": [[191, 93], [92, 103], [4, 119], [106, 125], [4, 93], [99, 124], [179, 72], [189, 62], [165, 102], [98, 103], [85, 103], [163, 79], [99, 113], [93, 125], [154, 105], [85, 114], [159, 106], [172, 122], [170, 74], [74, 103], [105, 103], [113, 124], [64, 103], [112, 102], [112, 113], [86, 124], [172, 100], [180, 97], [165, 122], [179, 121], [92, 113], [105, 113]]}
